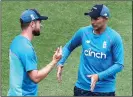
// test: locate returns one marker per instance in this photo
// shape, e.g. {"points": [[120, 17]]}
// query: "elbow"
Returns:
{"points": [[121, 67], [36, 80], [34, 76]]}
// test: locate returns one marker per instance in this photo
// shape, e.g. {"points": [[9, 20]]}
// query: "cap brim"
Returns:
{"points": [[92, 14], [43, 18]]}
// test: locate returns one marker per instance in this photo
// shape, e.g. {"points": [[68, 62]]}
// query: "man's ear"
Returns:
{"points": [[32, 24], [106, 19]]}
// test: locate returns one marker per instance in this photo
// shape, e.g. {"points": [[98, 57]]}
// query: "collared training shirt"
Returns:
{"points": [[101, 54], [22, 59]]}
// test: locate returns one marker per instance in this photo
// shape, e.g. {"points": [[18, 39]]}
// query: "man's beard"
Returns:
{"points": [[36, 32]]}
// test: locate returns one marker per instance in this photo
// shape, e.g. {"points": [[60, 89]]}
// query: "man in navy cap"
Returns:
{"points": [[24, 75], [102, 55]]}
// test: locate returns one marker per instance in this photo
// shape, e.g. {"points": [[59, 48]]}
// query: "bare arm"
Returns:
{"points": [[38, 75]]}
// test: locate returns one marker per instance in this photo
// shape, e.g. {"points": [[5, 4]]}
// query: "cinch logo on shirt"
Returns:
{"points": [[99, 55]]}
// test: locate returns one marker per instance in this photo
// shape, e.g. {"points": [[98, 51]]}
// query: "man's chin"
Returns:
{"points": [[36, 33]]}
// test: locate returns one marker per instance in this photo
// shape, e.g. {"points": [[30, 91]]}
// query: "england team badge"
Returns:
{"points": [[104, 44]]}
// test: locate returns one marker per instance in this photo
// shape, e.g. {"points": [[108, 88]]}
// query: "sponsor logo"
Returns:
{"points": [[32, 17], [105, 14], [99, 55], [88, 41]]}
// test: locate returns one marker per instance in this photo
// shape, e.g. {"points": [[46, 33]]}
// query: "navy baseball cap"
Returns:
{"points": [[99, 10], [31, 15]]}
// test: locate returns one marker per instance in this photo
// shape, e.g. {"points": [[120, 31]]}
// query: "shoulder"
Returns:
{"points": [[114, 35], [20, 45], [85, 29]]}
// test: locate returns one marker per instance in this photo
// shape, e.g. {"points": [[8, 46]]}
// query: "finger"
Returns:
{"points": [[89, 76], [92, 86], [59, 77], [93, 82], [60, 51], [57, 50], [59, 73]]}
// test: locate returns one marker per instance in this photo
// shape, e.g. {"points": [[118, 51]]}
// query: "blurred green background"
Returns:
{"points": [[65, 18]]}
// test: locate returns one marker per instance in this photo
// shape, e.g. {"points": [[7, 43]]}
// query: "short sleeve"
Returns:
{"points": [[29, 59]]}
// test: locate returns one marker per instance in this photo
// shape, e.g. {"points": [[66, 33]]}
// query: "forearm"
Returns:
{"points": [[66, 53], [42, 73], [110, 71]]}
